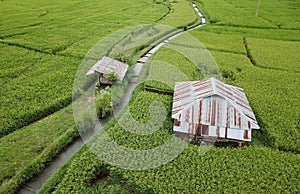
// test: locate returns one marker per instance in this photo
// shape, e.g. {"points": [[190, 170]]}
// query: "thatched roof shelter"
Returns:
{"points": [[107, 65]]}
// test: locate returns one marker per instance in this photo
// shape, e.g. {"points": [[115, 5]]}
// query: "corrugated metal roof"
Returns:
{"points": [[107, 65], [214, 103]]}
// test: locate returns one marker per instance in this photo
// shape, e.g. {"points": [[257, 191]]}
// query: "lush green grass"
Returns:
{"points": [[220, 42], [67, 23], [284, 14], [42, 44], [272, 14], [105, 181], [277, 19], [26, 151], [168, 67], [51, 183], [142, 121], [181, 14], [226, 13], [274, 54], [271, 88], [273, 95], [271, 83], [178, 61], [248, 169], [222, 170], [33, 85], [274, 34]]}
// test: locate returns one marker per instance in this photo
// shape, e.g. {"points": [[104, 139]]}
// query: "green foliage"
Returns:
{"points": [[35, 164], [30, 92], [273, 14], [275, 34], [181, 14], [272, 95], [169, 67], [275, 54], [19, 149], [57, 177], [220, 42], [117, 93], [86, 173], [277, 19], [40, 51], [248, 169], [271, 87], [222, 170], [228, 76], [112, 76], [103, 104], [28, 28], [138, 119], [37, 68]]}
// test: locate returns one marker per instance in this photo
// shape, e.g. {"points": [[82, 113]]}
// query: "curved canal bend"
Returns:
{"points": [[34, 184]]}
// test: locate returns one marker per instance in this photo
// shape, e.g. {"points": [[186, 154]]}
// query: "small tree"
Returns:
{"points": [[112, 76]]}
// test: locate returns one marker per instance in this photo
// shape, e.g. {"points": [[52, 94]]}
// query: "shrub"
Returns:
{"points": [[103, 105], [228, 75], [112, 76]]}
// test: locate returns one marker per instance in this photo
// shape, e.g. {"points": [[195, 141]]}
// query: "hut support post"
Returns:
{"points": [[240, 144]]}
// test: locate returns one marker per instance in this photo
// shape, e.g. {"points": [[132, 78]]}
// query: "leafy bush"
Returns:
{"points": [[103, 105], [228, 75], [112, 76]]}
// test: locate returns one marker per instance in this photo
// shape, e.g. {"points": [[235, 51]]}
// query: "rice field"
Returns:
{"points": [[42, 43], [41, 46]]}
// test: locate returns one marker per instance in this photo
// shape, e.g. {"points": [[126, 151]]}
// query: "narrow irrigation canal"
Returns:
{"points": [[34, 184]]}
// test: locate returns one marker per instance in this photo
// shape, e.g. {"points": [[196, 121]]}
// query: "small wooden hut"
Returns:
{"points": [[210, 108], [108, 65]]}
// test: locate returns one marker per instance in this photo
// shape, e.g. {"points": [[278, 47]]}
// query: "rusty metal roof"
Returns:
{"points": [[107, 65], [193, 100]]}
